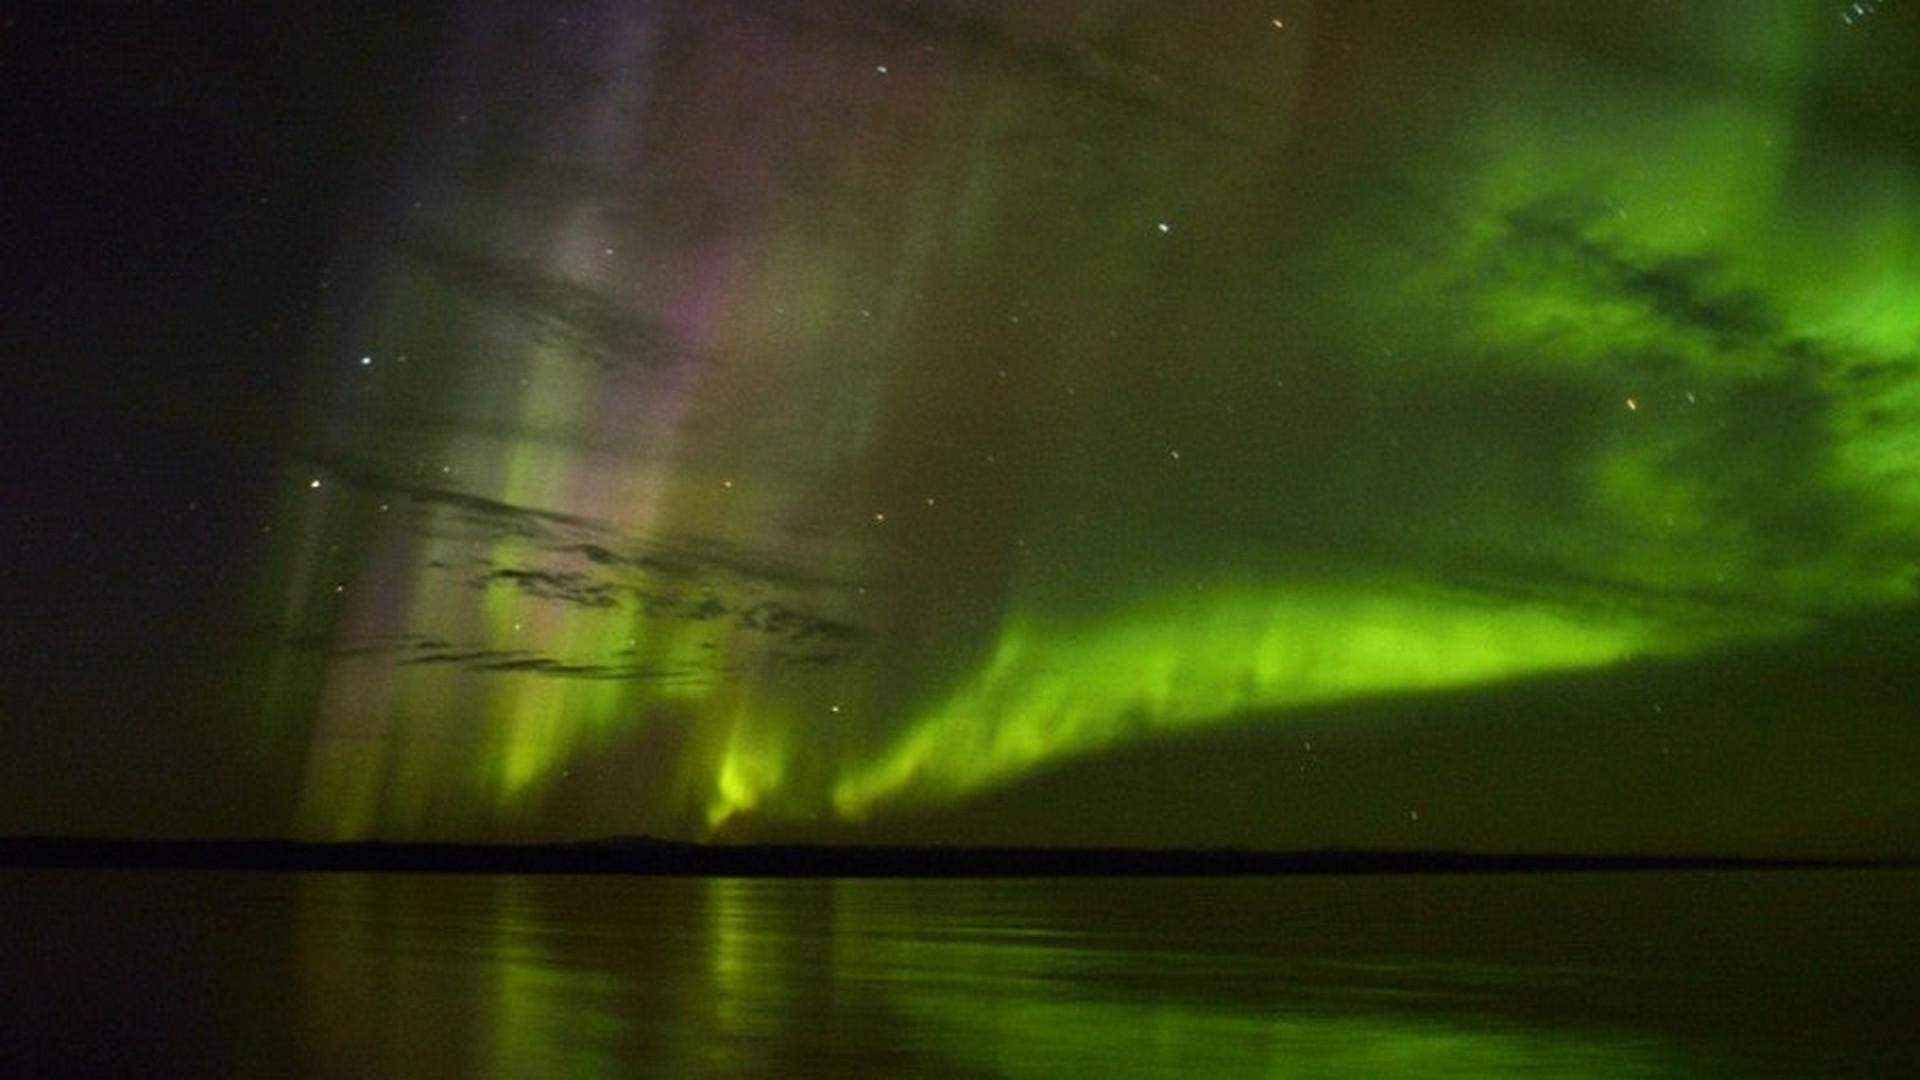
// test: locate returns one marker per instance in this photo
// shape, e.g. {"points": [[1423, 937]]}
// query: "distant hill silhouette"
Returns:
{"points": [[648, 855]]}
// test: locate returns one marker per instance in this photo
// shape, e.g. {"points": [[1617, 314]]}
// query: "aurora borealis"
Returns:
{"points": [[1478, 425]]}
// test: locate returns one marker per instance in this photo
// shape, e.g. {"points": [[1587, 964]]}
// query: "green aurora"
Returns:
{"points": [[779, 417]]}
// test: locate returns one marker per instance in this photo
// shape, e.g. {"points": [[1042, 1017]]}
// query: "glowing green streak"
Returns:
{"points": [[1052, 690], [749, 766], [539, 717], [1599, 227]]}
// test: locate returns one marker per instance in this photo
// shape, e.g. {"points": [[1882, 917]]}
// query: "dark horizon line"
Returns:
{"points": [[648, 856]]}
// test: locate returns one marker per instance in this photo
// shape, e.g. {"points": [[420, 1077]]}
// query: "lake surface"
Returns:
{"points": [[1603, 975]]}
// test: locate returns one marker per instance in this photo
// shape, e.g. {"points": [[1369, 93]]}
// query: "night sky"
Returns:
{"points": [[1283, 424]]}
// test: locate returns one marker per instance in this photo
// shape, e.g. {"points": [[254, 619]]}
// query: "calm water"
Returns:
{"points": [[349, 975]]}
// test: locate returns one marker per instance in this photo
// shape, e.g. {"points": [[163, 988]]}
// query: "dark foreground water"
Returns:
{"points": [[1698, 974]]}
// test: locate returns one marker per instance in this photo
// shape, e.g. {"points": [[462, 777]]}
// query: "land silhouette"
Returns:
{"points": [[647, 855]]}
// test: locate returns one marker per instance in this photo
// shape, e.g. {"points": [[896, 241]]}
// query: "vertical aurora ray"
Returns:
{"points": [[785, 413], [583, 558]]}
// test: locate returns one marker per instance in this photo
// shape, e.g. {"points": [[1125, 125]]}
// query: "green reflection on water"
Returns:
{"points": [[1032, 1003], [600, 977], [425, 976], [547, 1013]]}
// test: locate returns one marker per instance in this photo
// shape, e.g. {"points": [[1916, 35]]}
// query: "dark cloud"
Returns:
{"points": [[460, 656], [548, 666], [810, 659], [583, 588], [1113, 74], [526, 662], [1735, 413], [577, 316], [1693, 292], [682, 557], [594, 567], [565, 586], [637, 560], [693, 557], [709, 607], [782, 621], [490, 515]]}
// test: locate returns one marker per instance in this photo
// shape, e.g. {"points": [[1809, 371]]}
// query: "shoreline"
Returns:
{"points": [[643, 856]]}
